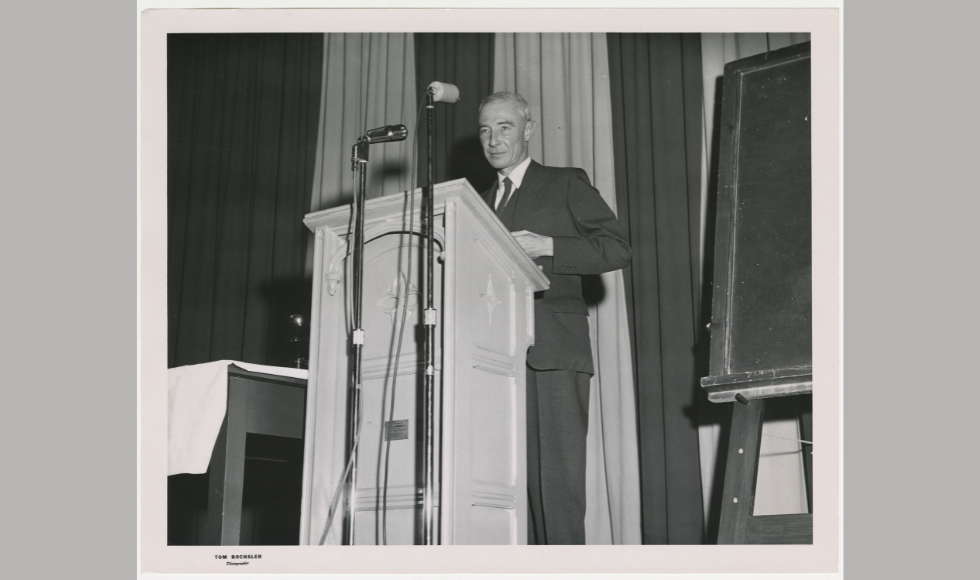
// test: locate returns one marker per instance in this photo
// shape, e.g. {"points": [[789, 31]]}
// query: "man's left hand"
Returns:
{"points": [[535, 245]]}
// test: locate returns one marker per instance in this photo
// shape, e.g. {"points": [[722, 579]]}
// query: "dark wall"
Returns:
{"points": [[242, 127], [271, 496], [655, 84]]}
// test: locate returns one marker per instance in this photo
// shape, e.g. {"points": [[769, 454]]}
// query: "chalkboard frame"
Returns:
{"points": [[722, 385]]}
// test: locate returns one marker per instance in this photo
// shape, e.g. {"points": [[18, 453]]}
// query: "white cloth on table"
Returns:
{"points": [[196, 404]]}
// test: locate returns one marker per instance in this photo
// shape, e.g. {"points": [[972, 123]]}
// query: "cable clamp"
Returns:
{"points": [[430, 370], [431, 314], [358, 336]]}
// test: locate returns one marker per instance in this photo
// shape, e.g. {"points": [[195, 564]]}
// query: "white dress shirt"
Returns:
{"points": [[516, 177]]}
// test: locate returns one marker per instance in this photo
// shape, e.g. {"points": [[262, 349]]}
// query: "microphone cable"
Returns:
{"points": [[401, 329], [400, 333], [348, 313]]}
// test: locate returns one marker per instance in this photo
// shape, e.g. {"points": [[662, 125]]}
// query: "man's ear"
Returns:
{"points": [[529, 130]]}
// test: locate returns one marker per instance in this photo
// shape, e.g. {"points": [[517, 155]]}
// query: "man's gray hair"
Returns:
{"points": [[508, 97]]}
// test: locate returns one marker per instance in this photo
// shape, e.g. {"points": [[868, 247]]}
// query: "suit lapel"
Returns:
{"points": [[529, 194], [489, 195]]}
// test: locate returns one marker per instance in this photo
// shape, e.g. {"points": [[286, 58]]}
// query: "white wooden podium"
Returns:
{"points": [[484, 291]]}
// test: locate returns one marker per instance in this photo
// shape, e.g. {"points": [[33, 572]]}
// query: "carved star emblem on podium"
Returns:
{"points": [[491, 299], [402, 294]]}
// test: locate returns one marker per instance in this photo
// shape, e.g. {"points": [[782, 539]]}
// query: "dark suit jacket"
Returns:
{"points": [[561, 203]]}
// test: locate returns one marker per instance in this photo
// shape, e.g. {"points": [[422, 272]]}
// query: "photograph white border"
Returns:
{"points": [[822, 556]]}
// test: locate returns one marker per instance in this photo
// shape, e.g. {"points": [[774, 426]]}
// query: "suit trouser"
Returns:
{"points": [[557, 424]]}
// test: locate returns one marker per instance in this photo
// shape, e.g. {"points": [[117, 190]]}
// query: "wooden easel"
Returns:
{"points": [[738, 525], [761, 331]]}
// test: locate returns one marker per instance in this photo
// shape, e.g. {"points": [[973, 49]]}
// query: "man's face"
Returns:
{"points": [[504, 135]]}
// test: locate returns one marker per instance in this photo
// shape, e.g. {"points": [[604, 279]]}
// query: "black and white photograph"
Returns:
{"points": [[461, 283]]}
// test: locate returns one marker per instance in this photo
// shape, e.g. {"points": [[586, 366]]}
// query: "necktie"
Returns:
{"points": [[506, 197], [505, 210]]}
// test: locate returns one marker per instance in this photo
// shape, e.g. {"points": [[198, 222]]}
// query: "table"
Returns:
{"points": [[257, 403]]}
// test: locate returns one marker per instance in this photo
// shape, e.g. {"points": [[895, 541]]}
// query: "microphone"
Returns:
{"points": [[386, 134], [444, 92]]}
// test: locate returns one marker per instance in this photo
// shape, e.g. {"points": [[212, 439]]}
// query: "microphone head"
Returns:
{"points": [[444, 92], [397, 132], [386, 134]]}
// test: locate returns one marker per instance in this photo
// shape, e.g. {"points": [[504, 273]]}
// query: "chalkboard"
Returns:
{"points": [[761, 327]]}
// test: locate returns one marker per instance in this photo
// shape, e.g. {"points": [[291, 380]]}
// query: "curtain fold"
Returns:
{"points": [[565, 79], [656, 101], [368, 81], [465, 60], [241, 142]]}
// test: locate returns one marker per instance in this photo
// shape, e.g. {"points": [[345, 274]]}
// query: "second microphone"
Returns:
{"points": [[386, 134]]}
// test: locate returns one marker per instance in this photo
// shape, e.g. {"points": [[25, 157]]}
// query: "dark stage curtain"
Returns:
{"points": [[465, 60], [656, 102], [242, 122]]}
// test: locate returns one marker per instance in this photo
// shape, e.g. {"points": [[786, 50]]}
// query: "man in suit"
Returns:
{"points": [[564, 225]]}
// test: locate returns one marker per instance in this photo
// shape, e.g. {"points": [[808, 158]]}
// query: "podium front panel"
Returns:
{"points": [[484, 291], [391, 371], [490, 304]]}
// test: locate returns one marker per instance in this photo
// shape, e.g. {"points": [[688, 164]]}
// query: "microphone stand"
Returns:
{"points": [[430, 535], [359, 159]]}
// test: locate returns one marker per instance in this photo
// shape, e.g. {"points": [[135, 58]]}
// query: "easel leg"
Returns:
{"points": [[742, 466], [806, 433]]}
